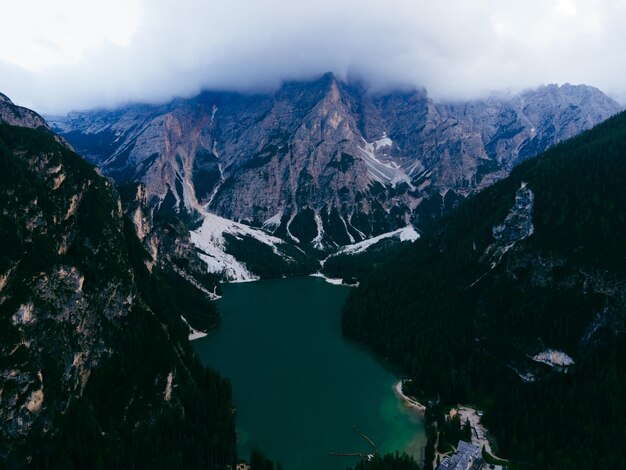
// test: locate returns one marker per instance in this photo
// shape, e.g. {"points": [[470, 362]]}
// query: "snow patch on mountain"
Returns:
{"points": [[273, 222], [383, 172], [382, 143], [318, 241], [404, 234], [330, 280], [553, 358], [193, 333], [209, 239]]}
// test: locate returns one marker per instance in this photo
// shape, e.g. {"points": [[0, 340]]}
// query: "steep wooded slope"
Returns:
{"points": [[96, 369], [517, 301]]}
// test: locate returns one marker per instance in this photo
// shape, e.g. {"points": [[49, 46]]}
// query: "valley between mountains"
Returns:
{"points": [[486, 240]]}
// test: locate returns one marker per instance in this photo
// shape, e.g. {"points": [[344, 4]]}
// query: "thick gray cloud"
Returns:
{"points": [[152, 50]]}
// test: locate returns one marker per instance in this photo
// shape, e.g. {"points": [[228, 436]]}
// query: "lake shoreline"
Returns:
{"points": [[272, 331], [406, 399], [332, 280]]}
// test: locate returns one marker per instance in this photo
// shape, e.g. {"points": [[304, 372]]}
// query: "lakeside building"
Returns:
{"points": [[466, 457]]}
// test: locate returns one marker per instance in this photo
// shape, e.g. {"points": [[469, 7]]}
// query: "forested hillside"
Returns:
{"points": [[96, 369], [516, 301]]}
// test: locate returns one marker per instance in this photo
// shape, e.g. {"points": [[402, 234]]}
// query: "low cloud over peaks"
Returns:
{"points": [[152, 50]]}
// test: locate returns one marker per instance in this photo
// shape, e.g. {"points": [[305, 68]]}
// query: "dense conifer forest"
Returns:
{"points": [[465, 325]]}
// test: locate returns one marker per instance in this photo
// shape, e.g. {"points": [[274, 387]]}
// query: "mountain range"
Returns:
{"points": [[325, 163], [480, 264]]}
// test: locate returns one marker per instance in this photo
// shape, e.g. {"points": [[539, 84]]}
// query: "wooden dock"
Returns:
{"points": [[362, 455]]}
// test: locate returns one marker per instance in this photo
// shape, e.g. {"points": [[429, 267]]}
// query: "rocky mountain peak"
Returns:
{"points": [[329, 159], [5, 99], [19, 116]]}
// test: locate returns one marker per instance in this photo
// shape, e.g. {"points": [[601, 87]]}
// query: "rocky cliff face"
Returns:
{"points": [[19, 116], [327, 163], [94, 355]]}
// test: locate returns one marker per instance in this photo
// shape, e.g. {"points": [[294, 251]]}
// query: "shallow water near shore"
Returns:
{"points": [[299, 386]]}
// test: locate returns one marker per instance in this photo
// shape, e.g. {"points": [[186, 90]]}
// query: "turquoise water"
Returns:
{"points": [[299, 386]]}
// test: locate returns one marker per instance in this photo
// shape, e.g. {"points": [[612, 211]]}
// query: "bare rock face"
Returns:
{"points": [[517, 226], [23, 117], [84, 323], [64, 288], [324, 162], [19, 116]]}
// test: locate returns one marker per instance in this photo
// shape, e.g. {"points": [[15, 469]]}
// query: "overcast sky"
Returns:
{"points": [[75, 54]]}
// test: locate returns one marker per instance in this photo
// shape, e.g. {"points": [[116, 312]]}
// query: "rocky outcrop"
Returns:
{"points": [[169, 252], [23, 117], [55, 318], [19, 116], [88, 334], [328, 163], [517, 226]]}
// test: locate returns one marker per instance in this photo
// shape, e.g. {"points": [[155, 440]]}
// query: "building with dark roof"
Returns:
{"points": [[466, 457]]}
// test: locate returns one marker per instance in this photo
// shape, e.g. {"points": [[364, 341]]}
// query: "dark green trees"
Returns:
{"points": [[466, 326]]}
